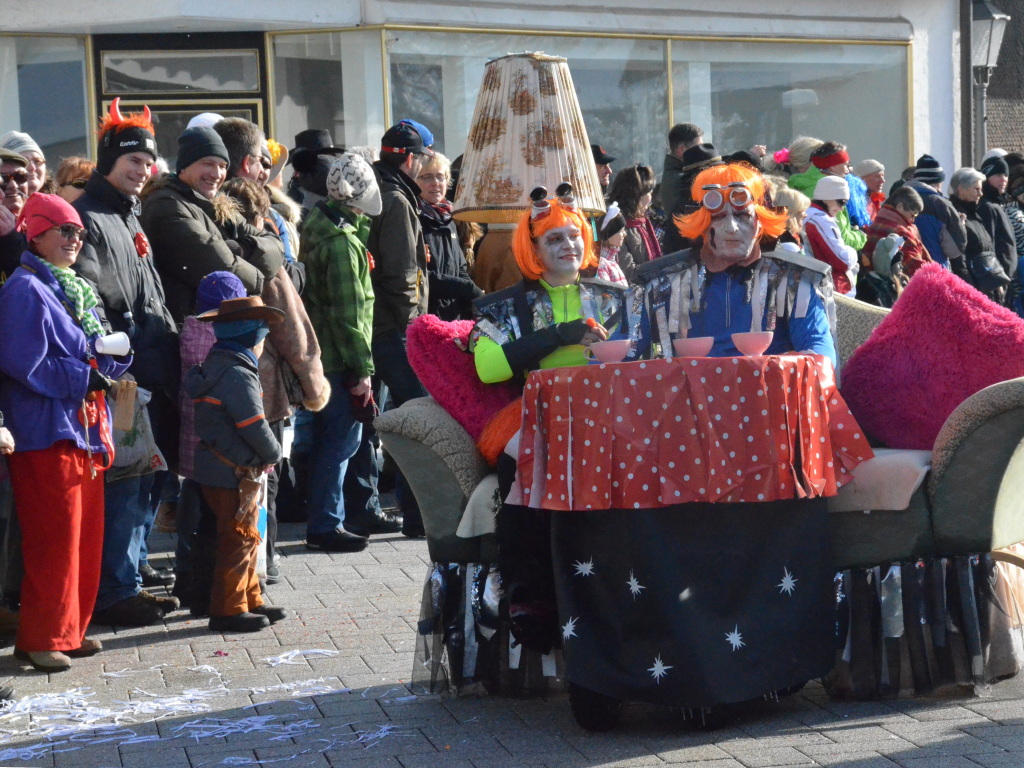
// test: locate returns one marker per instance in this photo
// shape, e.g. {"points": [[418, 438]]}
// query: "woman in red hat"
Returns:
{"points": [[53, 400]]}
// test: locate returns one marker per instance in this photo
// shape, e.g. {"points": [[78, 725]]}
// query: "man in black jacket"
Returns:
{"points": [[400, 275], [116, 260]]}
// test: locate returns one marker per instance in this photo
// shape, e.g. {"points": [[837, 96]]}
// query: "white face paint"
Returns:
{"points": [[560, 251], [733, 232]]}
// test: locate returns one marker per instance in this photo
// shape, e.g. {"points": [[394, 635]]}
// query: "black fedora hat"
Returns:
{"points": [[310, 143]]}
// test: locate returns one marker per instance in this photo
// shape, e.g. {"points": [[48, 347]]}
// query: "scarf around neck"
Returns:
{"points": [[81, 296]]}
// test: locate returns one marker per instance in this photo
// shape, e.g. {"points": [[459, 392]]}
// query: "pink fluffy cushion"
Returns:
{"points": [[449, 374], [942, 342]]}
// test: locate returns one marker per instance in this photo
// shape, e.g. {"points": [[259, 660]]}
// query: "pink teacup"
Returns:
{"points": [[614, 351], [697, 346], [753, 343]]}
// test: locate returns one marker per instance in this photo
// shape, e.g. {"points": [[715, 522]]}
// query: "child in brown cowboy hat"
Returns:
{"points": [[236, 447]]}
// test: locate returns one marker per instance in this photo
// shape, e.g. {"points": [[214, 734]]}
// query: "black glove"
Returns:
{"points": [[526, 353], [98, 382]]}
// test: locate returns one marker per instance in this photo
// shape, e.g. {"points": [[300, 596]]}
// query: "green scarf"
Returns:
{"points": [[80, 294]]}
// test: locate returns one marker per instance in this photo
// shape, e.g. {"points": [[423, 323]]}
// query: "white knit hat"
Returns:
{"points": [[19, 142], [831, 188], [204, 120], [351, 181]]}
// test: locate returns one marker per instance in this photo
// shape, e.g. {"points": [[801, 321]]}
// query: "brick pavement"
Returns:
{"points": [[352, 708]]}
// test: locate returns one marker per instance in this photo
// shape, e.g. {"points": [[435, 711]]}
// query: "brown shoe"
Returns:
{"points": [[165, 604], [44, 661], [89, 647]]}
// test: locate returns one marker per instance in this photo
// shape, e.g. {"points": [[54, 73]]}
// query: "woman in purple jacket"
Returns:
{"points": [[53, 398]]}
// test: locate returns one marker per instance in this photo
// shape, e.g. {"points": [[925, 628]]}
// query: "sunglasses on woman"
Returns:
{"points": [[76, 183], [71, 232], [715, 195]]}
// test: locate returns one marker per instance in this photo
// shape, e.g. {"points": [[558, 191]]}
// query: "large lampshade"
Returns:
{"points": [[527, 131], [988, 25]]}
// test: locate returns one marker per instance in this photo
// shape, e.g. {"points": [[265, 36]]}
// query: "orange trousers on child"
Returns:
{"points": [[236, 588], [60, 509]]}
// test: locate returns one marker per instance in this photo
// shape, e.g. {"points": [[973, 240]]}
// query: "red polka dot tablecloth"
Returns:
{"points": [[663, 432]]}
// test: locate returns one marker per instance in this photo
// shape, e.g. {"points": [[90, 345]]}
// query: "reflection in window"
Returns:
{"points": [[42, 92], [768, 93], [180, 72], [417, 93], [329, 80]]}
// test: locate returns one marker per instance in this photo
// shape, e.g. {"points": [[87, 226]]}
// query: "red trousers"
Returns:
{"points": [[236, 588], [60, 509]]}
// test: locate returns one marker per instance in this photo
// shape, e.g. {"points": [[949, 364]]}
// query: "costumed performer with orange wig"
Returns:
{"points": [[730, 286], [549, 318]]}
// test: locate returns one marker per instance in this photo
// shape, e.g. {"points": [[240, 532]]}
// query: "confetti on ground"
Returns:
{"points": [[297, 656], [72, 720]]}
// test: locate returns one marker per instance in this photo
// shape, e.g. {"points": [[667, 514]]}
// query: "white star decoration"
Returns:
{"points": [[584, 569], [788, 583], [569, 628], [635, 586], [659, 670], [734, 638]]}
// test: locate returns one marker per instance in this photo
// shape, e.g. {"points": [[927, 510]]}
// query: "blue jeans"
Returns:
{"points": [[126, 511], [336, 436]]}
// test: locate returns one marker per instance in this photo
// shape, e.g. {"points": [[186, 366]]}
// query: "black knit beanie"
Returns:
{"points": [[115, 143], [196, 143], [994, 166]]}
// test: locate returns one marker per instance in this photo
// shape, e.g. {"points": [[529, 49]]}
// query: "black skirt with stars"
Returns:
{"points": [[695, 605]]}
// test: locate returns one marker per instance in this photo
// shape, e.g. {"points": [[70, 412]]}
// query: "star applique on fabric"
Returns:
{"points": [[569, 628], [788, 583], [734, 638], [635, 587], [659, 670], [584, 569]]}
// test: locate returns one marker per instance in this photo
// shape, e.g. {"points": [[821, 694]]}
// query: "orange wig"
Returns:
{"points": [[527, 231], [695, 225]]}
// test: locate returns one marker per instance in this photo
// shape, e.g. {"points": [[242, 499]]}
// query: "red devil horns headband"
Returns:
{"points": [[115, 112]]}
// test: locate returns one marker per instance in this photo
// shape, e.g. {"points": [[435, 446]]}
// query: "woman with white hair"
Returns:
{"points": [[984, 271]]}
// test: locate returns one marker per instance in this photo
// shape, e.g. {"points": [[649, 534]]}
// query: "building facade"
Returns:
{"points": [[878, 75]]}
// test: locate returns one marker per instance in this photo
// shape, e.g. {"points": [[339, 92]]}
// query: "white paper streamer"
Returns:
{"points": [[296, 657]]}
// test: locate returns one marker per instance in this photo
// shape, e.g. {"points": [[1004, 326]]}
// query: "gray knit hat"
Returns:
{"points": [[19, 142], [351, 182]]}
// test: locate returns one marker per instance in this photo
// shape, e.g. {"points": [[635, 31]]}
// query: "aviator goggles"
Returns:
{"points": [[715, 195]]}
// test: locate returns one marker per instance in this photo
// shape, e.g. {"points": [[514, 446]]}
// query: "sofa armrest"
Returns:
{"points": [[977, 485], [442, 466], [423, 420], [855, 321]]}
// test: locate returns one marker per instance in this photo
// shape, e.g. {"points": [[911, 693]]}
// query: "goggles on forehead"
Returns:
{"points": [[715, 195]]}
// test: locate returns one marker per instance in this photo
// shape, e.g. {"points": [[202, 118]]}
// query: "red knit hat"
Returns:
{"points": [[43, 212]]}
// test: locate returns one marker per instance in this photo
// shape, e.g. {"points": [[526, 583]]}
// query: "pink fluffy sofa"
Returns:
{"points": [[942, 342]]}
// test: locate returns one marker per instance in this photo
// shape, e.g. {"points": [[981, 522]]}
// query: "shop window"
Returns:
{"points": [[42, 92], [746, 93]]}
